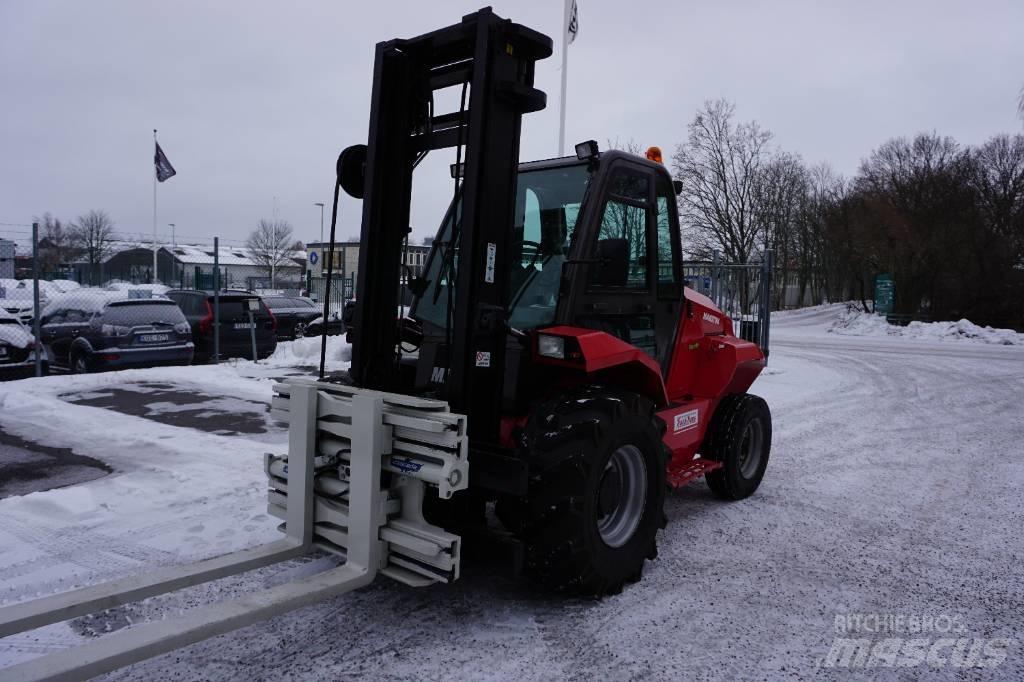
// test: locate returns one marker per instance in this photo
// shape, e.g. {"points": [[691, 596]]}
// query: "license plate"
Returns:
{"points": [[244, 325], [153, 338]]}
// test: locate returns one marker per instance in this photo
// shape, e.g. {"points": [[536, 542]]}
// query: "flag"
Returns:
{"points": [[574, 22], [164, 169]]}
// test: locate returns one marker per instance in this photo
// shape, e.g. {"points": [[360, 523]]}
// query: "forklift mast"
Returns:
{"points": [[492, 59]]}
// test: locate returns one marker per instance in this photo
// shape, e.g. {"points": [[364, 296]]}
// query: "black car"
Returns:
{"points": [[335, 325], [96, 332], [17, 349], [292, 313], [235, 334]]}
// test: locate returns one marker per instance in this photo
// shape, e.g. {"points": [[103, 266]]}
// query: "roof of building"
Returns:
{"points": [[196, 254], [324, 245]]}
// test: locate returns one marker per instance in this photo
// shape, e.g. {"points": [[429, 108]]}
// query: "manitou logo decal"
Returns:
{"points": [[437, 376], [685, 421], [713, 319], [406, 465]]}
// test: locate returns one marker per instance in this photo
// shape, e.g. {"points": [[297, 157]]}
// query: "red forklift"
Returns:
{"points": [[552, 311]]}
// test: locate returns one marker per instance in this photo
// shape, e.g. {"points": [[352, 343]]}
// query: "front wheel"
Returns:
{"points": [[740, 437], [597, 491], [300, 330]]}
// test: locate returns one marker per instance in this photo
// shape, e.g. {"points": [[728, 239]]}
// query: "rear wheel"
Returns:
{"points": [[740, 437], [597, 491], [79, 363]]}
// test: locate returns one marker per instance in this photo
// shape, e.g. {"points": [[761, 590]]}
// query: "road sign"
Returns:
{"points": [[313, 258], [885, 293]]}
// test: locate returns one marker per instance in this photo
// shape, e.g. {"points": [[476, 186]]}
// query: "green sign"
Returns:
{"points": [[885, 291]]}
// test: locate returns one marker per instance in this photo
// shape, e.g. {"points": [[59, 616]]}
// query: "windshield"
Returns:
{"points": [[547, 205]]}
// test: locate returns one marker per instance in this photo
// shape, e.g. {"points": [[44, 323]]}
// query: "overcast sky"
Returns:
{"points": [[253, 100]]}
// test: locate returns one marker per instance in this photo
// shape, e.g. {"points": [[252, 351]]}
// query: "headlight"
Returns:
{"points": [[551, 346]]}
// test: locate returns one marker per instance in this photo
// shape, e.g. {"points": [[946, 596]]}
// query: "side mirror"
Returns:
{"points": [[612, 269], [351, 168]]}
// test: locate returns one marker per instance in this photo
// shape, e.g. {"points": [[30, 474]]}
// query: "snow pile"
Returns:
{"points": [[307, 352], [855, 322]]}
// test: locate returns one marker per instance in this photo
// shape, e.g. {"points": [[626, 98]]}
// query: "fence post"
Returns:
{"points": [[36, 312], [767, 267], [216, 300], [716, 258]]}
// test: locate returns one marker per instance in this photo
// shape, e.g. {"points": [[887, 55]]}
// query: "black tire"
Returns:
{"points": [[583, 531], [79, 363], [300, 331], [741, 429]]}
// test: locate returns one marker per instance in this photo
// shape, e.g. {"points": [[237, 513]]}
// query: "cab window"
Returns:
{"points": [[625, 217]]}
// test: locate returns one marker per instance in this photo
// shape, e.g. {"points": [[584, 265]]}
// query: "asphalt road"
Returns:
{"points": [[27, 467], [175, 406]]}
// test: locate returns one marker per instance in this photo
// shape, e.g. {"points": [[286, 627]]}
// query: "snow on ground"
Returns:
{"points": [[307, 352], [893, 488], [853, 321], [179, 492]]}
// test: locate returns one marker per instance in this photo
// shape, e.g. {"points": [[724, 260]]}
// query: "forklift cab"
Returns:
{"points": [[595, 244]]}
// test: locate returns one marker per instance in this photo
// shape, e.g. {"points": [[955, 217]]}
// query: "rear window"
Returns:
{"points": [[237, 309], [135, 314], [285, 302]]}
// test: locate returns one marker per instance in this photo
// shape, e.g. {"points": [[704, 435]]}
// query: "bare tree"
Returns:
{"points": [[719, 166], [92, 235], [998, 179], [631, 147], [270, 245], [55, 247]]}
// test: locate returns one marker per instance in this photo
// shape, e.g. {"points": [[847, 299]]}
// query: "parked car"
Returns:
{"points": [[17, 349], [16, 297], [65, 285], [292, 313], [141, 290], [335, 325], [110, 331], [235, 338]]}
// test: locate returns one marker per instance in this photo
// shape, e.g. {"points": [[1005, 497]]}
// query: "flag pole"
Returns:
{"points": [[566, 11], [153, 279]]}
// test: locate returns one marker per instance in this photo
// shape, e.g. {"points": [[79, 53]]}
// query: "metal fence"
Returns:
{"points": [[740, 290], [342, 289]]}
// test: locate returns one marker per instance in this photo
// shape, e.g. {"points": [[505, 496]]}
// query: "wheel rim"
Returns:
{"points": [[300, 331], [751, 448], [622, 494]]}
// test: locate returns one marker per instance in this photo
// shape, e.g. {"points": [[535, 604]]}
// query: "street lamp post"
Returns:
{"points": [[320, 204]]}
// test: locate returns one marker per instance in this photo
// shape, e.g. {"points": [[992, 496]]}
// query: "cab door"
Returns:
{"points": [[625, 303], [667, 249]]}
